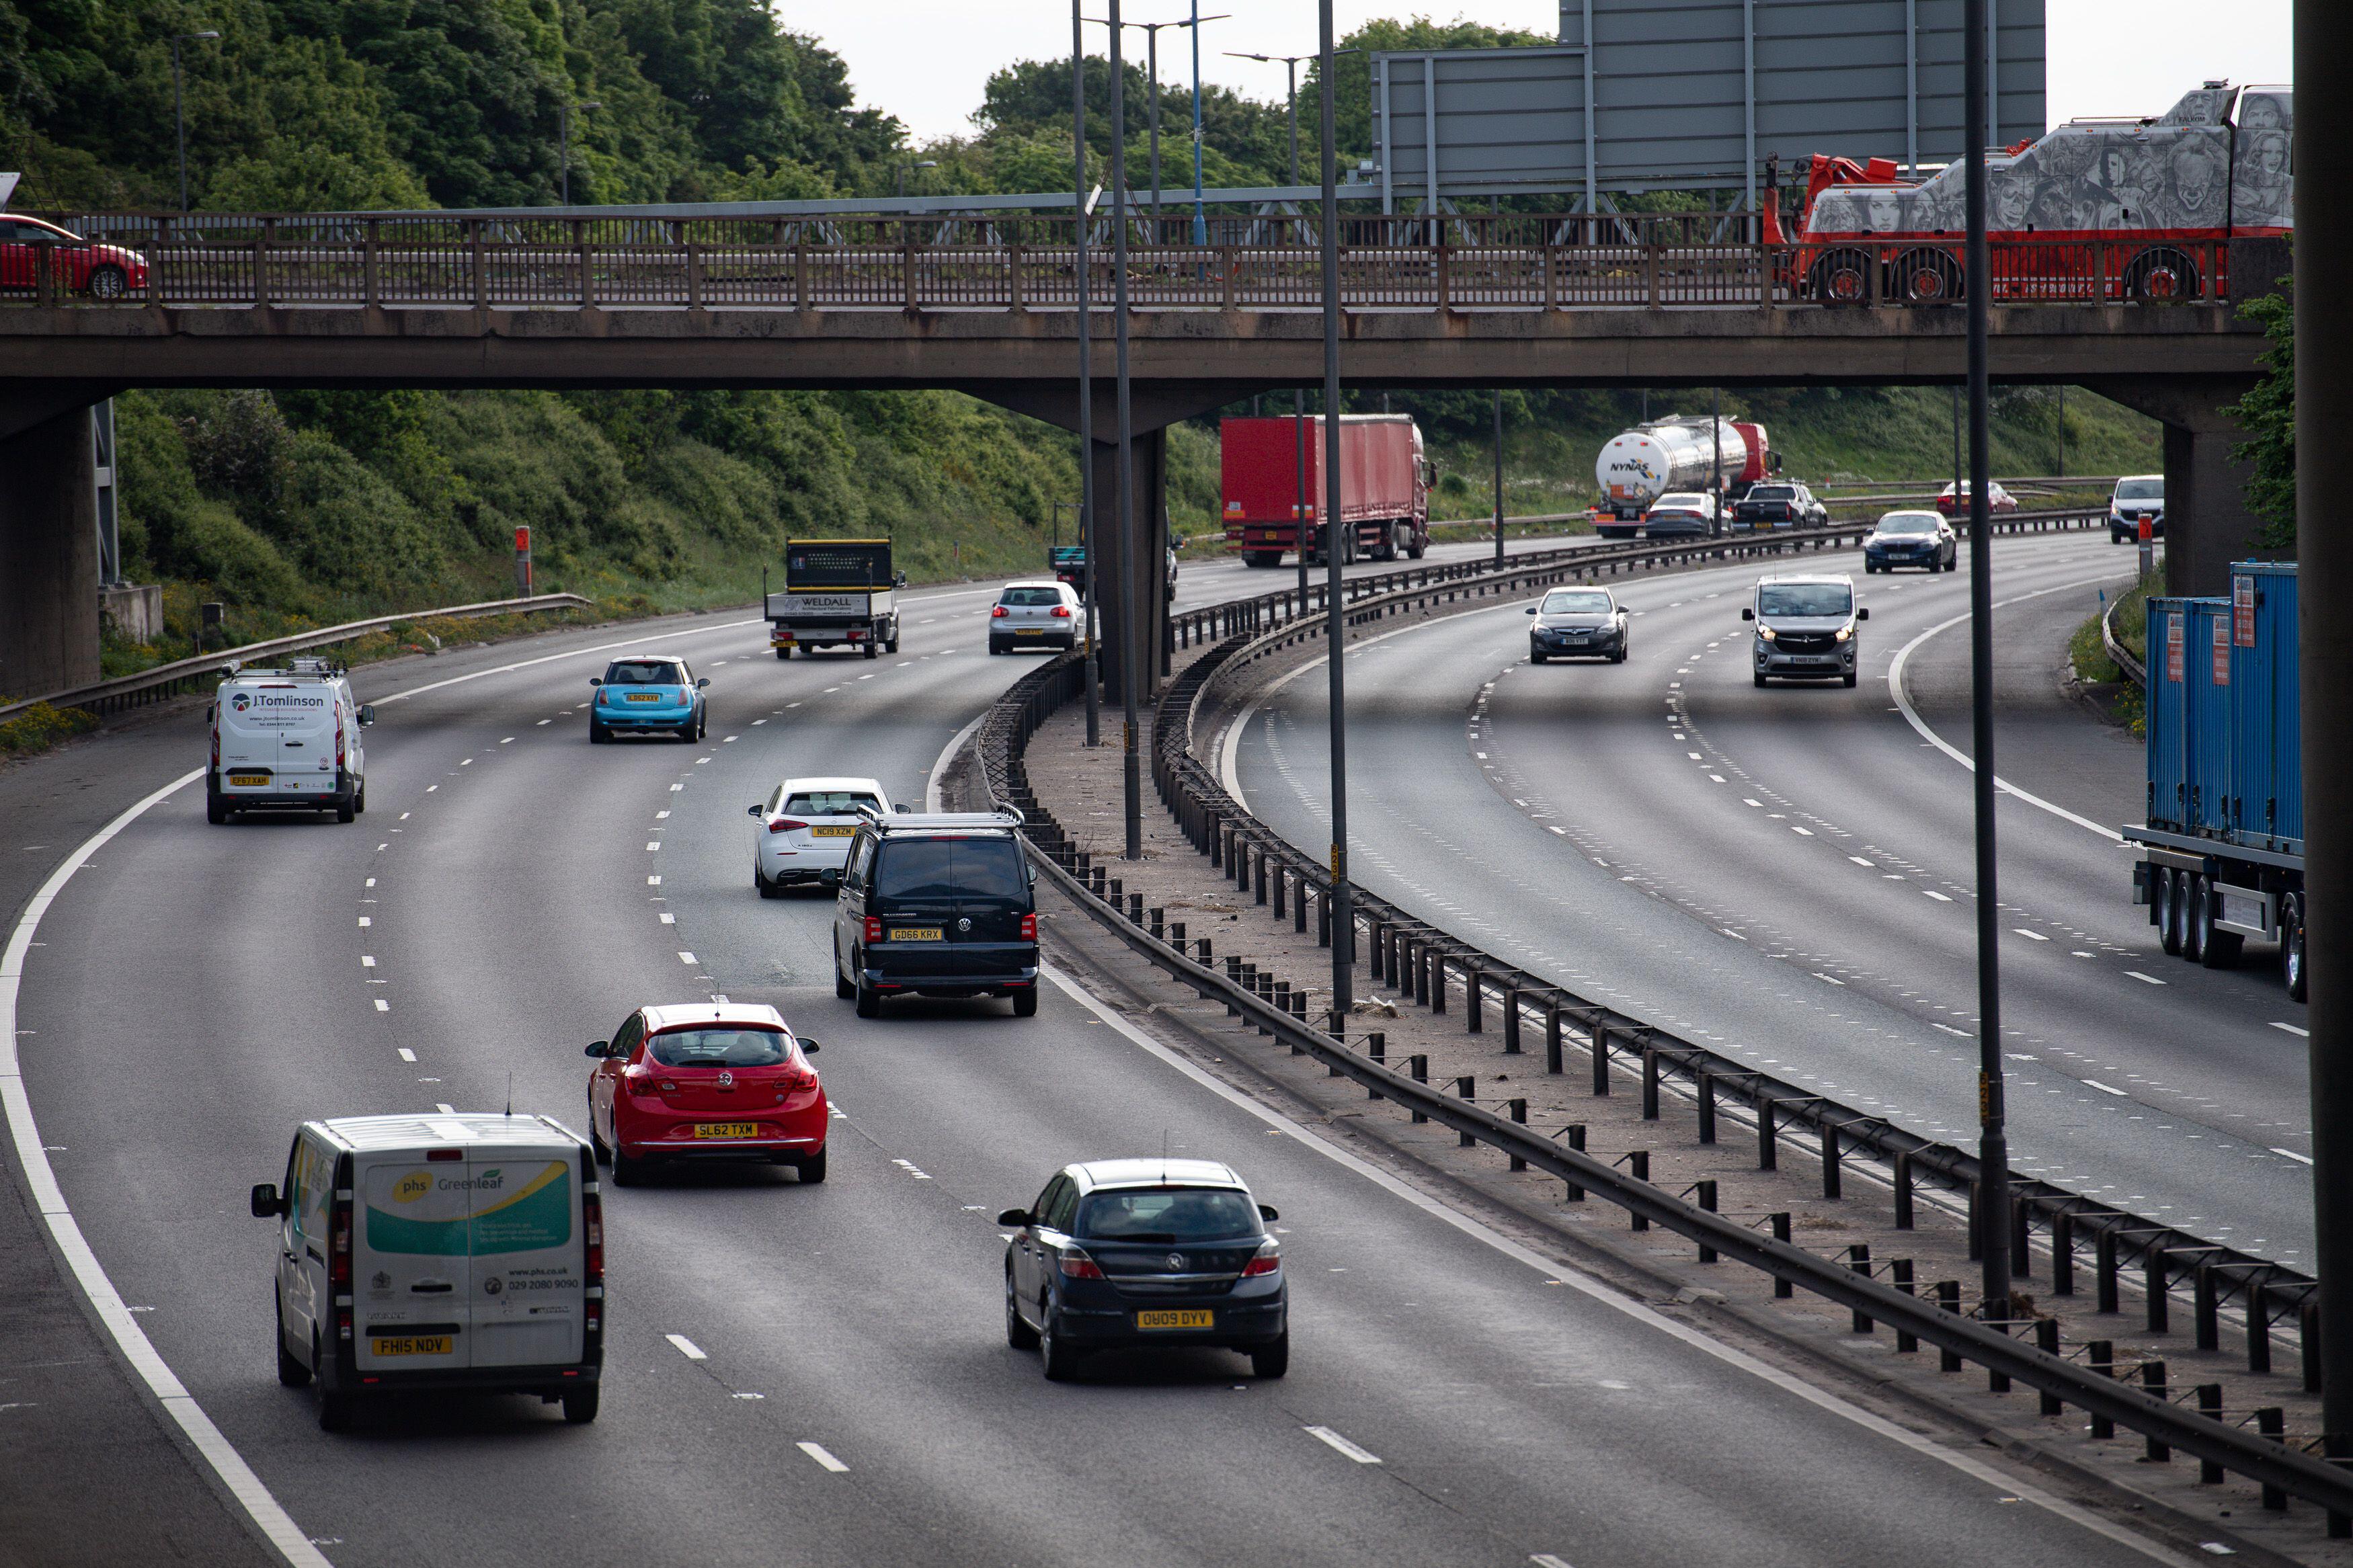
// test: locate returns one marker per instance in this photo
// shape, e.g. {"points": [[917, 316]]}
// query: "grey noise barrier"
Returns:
{"points": [[1256, 627]]}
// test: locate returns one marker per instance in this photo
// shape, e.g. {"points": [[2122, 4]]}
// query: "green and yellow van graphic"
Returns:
{"points": [[468, 1211]]}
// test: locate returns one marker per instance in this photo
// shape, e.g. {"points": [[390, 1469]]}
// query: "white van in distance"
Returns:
{"points": [[287, 738], [439, 1252]]}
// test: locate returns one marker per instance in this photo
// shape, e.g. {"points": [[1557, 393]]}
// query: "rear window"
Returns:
{"points": [[828, 803], [718, 1048], [1031, 597], [1772, 492], [951, 868], [1167, 1214], [644, 672]]}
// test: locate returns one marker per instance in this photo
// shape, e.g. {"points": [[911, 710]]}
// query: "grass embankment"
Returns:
{"points": [[2118, 698]]}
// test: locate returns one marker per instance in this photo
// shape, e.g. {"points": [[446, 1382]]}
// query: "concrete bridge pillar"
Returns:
{"points": [[2207, 522], [48, 556], [1144, 564]]}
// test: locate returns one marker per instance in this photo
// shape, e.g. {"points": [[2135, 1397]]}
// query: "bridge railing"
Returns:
{"points": [[1483, 262]]}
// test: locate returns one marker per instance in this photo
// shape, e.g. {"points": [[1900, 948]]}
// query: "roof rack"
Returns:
{"points": [[1004, 816]]}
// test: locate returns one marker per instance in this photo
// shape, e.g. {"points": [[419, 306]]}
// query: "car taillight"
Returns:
{"points": [[1061, 612], [592, 1226], [1029, 928], [640, 1082], [873, 928], [1077, 1264], [339, 745], [1268, 1261], [785, 824], [215, 743], [997, 614]]}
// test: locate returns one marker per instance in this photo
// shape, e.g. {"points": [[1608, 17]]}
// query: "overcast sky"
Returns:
{"points": [[927, 60]]}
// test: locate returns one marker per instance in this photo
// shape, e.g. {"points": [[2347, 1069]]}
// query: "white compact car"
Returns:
{"points": [[803, 830], [1035, 612], [287, 738]]}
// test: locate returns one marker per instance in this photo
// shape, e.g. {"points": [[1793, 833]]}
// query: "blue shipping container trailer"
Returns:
{"points": [[2223, 846]]}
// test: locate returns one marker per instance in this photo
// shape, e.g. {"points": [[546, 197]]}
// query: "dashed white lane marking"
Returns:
{"points": [[2290, 1028], [1859, 860], [407, 1054], [1608, 1295], [445, 1108], [686, 958], [1807, 831], [2104, 1089], [382, 1006], [817, 1451], [1940, 898], [2292, 1155], [548, 721], [2030, 935], [652, 845], [367, 961], [508, 742], [467, 763], [1819, 975], [1325, 1435], [1546, 1560], [668, 918], [370, 881], [658, 815], [686, 1347], [909, 1167], [2145, 979], [653, 882], [367, 920]]}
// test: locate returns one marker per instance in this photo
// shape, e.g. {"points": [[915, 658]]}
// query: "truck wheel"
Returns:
{"points": [[580, 1404], [291, 1372], [359, 798], [2165, 901], [1024, 1003], [784, 653], [344, 811], [870, 648], [2193, 919], [870, 1001], [2292, 961], [841, 987], [1417, 549], [2216, 949], [216, 810], [892, 646]]}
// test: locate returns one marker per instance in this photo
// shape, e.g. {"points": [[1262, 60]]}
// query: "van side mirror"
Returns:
{"points": [[367, 714], [702, 682], [266, 1202], [1266, 1212], [1014, 1217], [600, 1047], [1747, 614], [1863, 613], [595, 681]]}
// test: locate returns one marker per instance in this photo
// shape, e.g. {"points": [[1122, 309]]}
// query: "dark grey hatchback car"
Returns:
{"points": [[1129, 1254]]}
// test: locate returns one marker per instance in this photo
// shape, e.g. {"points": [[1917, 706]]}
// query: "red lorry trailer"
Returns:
{"points": [[1384, 486]]}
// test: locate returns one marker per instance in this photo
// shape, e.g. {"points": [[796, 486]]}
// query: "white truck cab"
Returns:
{"points": [[457, 1251], [287, 737]]}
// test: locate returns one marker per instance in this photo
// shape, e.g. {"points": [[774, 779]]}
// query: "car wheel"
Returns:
{"points": [[1024, 1003], [1618, 658], [870, 1001], [1056, 1359], [1017, 1333], [2292, 959], [598, 735], [345, 810], [1848, 680], [334, 1406], [2193, 919], [1759, 678], [811, 1167], [767, 890], [841, 986], [291, 1372], [580, 1404], [108, 283], [627, 1172], [216, 810], [2165, 894], [995, 646], [1271, 1360], [1535, 658], [2217, 949]]}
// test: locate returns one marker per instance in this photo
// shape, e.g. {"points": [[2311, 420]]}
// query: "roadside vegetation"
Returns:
{"points": [[2103, 681]]}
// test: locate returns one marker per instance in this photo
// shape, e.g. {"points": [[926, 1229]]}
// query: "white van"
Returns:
{"points": [[287, 738], [439, 1252]]}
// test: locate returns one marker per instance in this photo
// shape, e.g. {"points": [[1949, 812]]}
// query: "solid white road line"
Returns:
{"points": [[1912, 716], [817, 1451], [217, 1453], [947, 754], [1789, 1383], [2290, 1028], [2292, 1155], [1325, 1435], [686, 1347]]}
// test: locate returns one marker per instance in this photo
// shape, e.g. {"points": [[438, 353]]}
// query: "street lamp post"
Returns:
{"points": [[905, 169], [1084, 212], [1344, 932], [1289, 64], [1130, 647], [1498, 478], [564, 145], [179, 116], [1151, 31]]}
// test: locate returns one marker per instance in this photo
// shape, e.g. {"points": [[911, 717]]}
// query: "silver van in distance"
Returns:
{"points": [[1806, 626]]}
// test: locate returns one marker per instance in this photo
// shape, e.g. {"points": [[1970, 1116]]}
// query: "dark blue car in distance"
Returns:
{"points": [[1139, 1254]]}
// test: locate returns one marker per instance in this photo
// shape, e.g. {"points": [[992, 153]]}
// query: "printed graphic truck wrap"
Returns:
{"points": [[481, 1251]]}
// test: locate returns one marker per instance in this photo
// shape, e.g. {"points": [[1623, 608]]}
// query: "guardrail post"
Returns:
{"points": [[1949, 1299], [2046, 1340], [1467, 1088], [2101, 1357], [2259, 1326], [1013, 291], [2062, 1253], [1706, 1085], [1298, 900], [371, 278], [1519, 1109], [1768, 1151], [1474, 996], [1650, 1084], [1575, 1133], [1553, 1065], [1831, 1169], [1858, 1261], [1437, 968], [1176, 936], [1419, 1066], [2210, 1331], [2307, 1321], [907, 268], [1226, 270], [1258, 875], [2153, 1287], [1899, 1276], [693, 275], [2152, 1382], [1159, 921], [1903, 1190], [2210, 1405], [1707, 1194], [2272, 1422], [1323, 920], [1782, 1289], [1650, 277], [1510, 1020], [2104, 1270], [1638, 1165], [2021, 1256], [1417, 957], [1377, 1051], [1135, 908]]}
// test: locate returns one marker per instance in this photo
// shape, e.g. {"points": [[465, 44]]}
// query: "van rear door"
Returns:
{"points": [[279, 734], [412, 1260], [528, 1258]]}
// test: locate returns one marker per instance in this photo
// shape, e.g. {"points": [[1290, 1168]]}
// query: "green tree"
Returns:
{"points": [[2268, 416]]}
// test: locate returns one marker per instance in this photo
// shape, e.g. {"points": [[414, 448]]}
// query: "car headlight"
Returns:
{"points": [[1766, 633], [1845, 634]]}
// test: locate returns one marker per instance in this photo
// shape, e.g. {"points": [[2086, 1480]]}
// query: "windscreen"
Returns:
{"points": [[1033, 597], [2140, 489], [828, 803], [1804, 599], [1907, 523], [719, 1048], [951, 870], [1164, 1214], [644, 672], [1576, 604]]}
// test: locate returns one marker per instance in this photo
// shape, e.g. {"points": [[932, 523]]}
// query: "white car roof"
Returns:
{"points": [[410, 1130], [752, 1014], [2144, 478], [1036, 582], [829, 783]]}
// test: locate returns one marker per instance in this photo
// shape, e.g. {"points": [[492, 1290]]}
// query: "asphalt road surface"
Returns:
{"points": [[512, 893], [1787, 874]]}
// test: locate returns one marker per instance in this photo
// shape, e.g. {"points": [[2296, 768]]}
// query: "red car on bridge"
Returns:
{"points": [[76, 265]]}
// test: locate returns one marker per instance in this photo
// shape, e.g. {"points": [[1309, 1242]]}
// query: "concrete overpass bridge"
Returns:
{"points": [[343, 302]]}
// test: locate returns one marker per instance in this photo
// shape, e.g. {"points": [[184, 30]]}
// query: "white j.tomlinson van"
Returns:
{"points": [[439, 1252], [288, 738]]}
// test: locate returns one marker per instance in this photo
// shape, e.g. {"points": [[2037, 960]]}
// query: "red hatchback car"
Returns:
{"points": [[706, 1081], [77, 265]]}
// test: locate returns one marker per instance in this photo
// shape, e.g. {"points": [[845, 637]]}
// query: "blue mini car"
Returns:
{"points": [[650, 696]]}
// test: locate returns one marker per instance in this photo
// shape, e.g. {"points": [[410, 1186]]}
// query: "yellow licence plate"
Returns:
{"points": [[1187, 1317], [837, 832], [915, 933], [727, 1130], [642, 697], [248, 778], [1029, 631], [421, 1344]]}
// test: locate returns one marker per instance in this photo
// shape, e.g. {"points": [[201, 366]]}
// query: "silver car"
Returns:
{"points": [[1035, 612]]}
